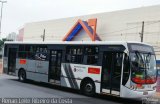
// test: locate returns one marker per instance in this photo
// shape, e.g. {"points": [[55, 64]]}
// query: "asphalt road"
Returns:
{"points": [[10, 87]]}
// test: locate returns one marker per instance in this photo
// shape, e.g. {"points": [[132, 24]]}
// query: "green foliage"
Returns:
{"points": [[2, 43]]}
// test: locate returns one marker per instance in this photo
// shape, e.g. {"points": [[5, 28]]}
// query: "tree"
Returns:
{"points": [[2, 43]]}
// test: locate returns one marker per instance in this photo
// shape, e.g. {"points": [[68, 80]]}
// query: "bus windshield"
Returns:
{"points": [[143, 66]]}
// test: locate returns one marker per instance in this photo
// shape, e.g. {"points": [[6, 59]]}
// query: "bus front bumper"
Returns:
{"points": [[128, 93]]}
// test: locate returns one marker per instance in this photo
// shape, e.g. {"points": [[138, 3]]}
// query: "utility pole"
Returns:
{"points": [[44, 32], [142, 32], [1, 14]]}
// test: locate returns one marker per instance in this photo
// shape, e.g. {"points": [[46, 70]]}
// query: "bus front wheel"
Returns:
{"points": [[22, 75], [88, 88]]}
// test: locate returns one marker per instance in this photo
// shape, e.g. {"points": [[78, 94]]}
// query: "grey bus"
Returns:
{"points": [[124, 69]]}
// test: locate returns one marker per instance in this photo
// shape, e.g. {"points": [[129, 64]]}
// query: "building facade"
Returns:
{"points": [[123, 25], [12, 36], [20, 35]]}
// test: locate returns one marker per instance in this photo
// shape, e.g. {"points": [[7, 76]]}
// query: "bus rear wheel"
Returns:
{"points": [[22, 75], [88, 88]]}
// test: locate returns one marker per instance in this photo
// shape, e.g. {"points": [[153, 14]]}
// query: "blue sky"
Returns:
{"points": [[18, 12]]}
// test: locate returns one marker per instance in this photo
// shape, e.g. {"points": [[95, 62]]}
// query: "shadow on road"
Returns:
{"points": [[97, 96]]}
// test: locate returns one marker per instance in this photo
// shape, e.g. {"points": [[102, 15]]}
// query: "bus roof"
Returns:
{"points": [[74, 42]]}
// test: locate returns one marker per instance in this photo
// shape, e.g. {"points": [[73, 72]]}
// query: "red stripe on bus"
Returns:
{"points": [[93, 70], [22, 61]]}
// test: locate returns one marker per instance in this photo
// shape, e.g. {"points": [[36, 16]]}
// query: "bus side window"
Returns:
{"points": [[91, 54], [41, 53], [31, 51], [21, 52], [21, 48], [5, 50], [22, 55], [74, 54], [126, 70]]}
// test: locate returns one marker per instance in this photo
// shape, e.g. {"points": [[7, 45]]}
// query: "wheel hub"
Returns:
{"points": [[88, 87]]}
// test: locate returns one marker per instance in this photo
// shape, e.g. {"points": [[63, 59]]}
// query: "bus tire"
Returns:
{"points": [[88, 88], [22, 75]]}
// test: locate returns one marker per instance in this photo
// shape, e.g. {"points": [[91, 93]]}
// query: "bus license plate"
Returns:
{"points": [[145, 93]]}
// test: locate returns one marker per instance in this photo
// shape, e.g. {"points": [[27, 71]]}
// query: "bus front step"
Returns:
{"points": [[54, 82]]}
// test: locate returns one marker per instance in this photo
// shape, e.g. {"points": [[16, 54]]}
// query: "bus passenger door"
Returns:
{"points": [[55, 66], [111, 72], [12, 60]]}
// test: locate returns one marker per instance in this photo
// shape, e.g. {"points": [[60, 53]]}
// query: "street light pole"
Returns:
{"points": [[1, 14], [142, 32]]}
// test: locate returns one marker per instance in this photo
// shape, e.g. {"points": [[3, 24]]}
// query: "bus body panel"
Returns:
{"points": [[128, 93], [42, 67], [20, 65], [73, 74], [31, 65], [35, 70], [5, 64], [37, 77]]}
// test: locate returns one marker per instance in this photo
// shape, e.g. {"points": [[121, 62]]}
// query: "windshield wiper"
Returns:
{"points": [[148, 55], [139, 56]]}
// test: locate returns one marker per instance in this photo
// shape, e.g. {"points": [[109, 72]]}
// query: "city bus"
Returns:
{"points": [[123, 69]]}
